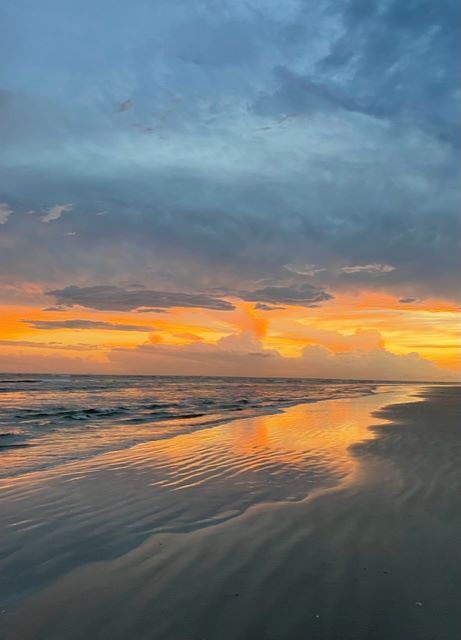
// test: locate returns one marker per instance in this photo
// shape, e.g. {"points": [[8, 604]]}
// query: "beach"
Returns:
{"points": [[333, 519]]}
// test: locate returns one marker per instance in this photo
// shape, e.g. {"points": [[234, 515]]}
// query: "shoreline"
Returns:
{"points": [[185, 427], [224, 377], [189, 429], [268, 524]]}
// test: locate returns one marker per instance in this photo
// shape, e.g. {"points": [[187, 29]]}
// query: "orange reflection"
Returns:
{"points": [[305, 438]]}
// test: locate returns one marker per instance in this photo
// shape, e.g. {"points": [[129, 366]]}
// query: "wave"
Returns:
{"points": [[71, 414], [68, 416], [15, 445], [150, 411]]}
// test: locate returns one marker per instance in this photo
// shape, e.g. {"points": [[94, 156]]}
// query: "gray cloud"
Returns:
{"points": [[125, 105], [407, 300], [262, 306], [285, 134], [304, 295], [297, 97], [391, 78], [106, 297], [111, 298], [85, 324]]}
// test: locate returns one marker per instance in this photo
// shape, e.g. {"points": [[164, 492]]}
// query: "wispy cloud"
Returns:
{"points": [[5, 212], [51, 325], [56, 212], [304, 269], [49, 345], [375, 267]]}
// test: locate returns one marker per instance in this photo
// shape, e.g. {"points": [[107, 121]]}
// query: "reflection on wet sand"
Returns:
{"points": [[306, 442], [187, 482]]}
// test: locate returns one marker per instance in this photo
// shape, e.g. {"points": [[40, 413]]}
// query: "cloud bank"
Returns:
{"points": [[245, 137], [244, 355]]}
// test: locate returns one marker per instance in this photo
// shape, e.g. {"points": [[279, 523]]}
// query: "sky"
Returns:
{"points": [[230, 187]]}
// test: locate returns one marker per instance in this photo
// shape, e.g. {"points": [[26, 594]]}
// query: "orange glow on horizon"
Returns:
{"points": [[347, 323]]}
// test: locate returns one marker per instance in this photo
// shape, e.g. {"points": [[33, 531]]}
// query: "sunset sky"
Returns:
{"points": [[230, 187]]}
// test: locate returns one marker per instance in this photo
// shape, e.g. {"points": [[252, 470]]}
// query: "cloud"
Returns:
{"points": [[304, 269], [294, 133], [389, 43], [5, 212], [241, 354], [123, 106], [56, 212], [136, 298], [262, 306], [407, 300], [112, 298], [57, 362], [85, 324], [304, 295], [361, 340], [49, 345], [368, 268], [298, 96]]}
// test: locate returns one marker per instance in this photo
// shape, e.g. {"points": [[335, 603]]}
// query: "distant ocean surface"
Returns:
{"points": [[46, 420]]}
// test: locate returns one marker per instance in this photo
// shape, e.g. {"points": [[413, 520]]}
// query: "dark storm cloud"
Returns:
{"points": [[400, 60], [295, 133], [389, 60], [109, 298], [52, 325], [304, 295], [297, 95]]}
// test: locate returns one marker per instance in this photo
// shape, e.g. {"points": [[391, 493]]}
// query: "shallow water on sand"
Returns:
{"points": [[299, 525], [47, 420]]}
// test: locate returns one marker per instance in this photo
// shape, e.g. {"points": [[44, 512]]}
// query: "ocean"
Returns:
{"points": [[46, 420]]}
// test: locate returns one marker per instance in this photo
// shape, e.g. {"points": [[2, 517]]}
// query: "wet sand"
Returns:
{"points": [[307, 524]]}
